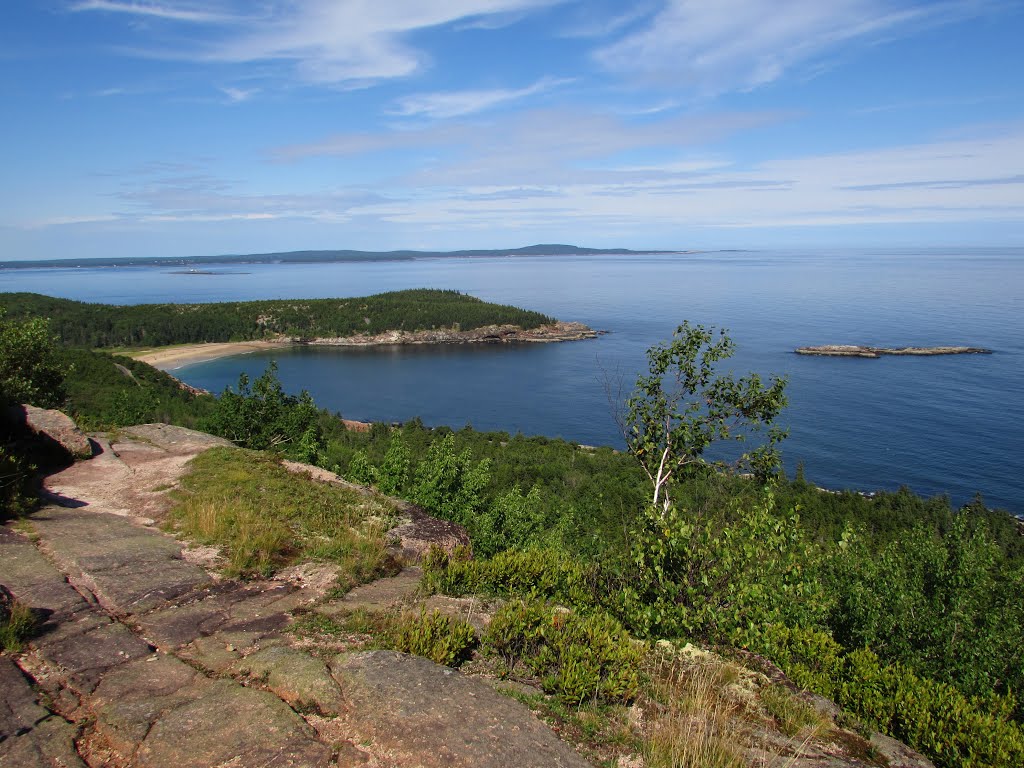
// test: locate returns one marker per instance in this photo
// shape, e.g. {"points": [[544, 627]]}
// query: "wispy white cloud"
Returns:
{"points": [[458, 103], [971, 180], [596, 24], [66, 221], [238, 95], [976, 179], [188, 12], [339, 41], [544, 142], [347, 42], [198, 196], [742, 44]]}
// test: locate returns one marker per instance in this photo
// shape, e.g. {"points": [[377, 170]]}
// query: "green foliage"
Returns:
{"points": [[811, 657], [108, 391], [101, 325], [30, 368], [571, 497], [31, 372], [681, 407], [435, 636], [577, 658], [451, 485], [20, 625], [954, 730], [263, 417], [360, 470], [723, 581], [546, 574], [947, 605], [393, 476], [264, 517], [17, 484], [512, 521]]}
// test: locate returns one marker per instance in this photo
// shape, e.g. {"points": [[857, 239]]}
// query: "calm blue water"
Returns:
{"points": [[939, 425]]}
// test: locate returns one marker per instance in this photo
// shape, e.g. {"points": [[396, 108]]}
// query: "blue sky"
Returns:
{"points": [[189, 127]]}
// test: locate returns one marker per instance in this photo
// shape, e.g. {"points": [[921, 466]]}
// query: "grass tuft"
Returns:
{"points": [[695, 727], [19, 627], [792, 716]]}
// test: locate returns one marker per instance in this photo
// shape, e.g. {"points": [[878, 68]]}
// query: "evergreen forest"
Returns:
{"points": [[84, 324]]}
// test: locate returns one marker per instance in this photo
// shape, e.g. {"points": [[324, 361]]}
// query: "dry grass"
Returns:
{"points": [[264, 517], [710, 713], [697, 725], [792, 716]]}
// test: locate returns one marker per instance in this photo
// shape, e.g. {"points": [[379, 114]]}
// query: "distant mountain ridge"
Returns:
{"points": [[313, 257]]}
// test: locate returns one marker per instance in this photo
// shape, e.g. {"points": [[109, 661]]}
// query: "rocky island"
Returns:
{"points": [[854, 350]]}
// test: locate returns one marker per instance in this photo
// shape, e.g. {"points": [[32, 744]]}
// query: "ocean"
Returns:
{"points": [[939, 425]]}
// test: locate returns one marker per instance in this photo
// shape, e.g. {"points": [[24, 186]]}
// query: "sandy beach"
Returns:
{"points": [[169, 358]]}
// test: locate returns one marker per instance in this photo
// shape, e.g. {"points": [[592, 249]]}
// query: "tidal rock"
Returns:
{"points": [[855, 350]]}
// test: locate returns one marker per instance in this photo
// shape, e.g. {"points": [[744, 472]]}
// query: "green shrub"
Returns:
{"points": [[812, 659], [435, 636], [533, 573], [721, 576], [955, 731], [30, 367], [17, 484], [20, 625], [577, 658]]}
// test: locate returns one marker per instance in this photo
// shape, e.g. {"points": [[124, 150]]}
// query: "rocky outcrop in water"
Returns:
{"points": [[855, 350]]}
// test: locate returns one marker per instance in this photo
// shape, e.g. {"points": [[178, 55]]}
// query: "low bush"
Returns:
{"points": [[577, 658], [435, 636], [17, 484], [954, 730], [546, 574]]}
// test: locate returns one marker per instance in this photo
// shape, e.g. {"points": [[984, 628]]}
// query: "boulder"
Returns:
{"points": [[53, 428], [420, 533]]}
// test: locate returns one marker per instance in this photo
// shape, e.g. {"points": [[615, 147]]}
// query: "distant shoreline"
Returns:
{"points": [[322, 257]]}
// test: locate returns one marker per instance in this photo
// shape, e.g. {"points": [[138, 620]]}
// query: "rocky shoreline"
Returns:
{"points": [[853, 350], [169, 358], [488, 334]]}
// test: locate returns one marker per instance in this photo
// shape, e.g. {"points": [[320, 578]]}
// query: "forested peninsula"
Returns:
{"points": [[418, 316]]}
